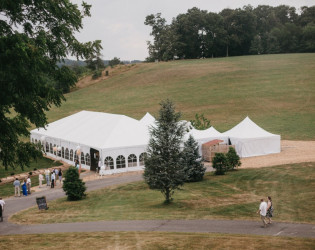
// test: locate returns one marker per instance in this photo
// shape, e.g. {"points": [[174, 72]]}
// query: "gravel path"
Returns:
{"points": [[291, 152]]}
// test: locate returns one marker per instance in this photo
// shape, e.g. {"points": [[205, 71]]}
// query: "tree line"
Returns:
{"points": [[232, 32]]}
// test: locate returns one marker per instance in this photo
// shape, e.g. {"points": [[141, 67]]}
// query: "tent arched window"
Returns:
{"points": [[120, 161], [58, 152], [51, 148], [67, 154], [36, 141], [82, 158], [75, 156], [71, 155], [141, 159], [47, 147], [88, 160], [109, 162], [63, 152], [132, 160], [55, 152]]}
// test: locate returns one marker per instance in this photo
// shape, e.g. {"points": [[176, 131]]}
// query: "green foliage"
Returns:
{"points": [[200, 122], [97, 74], [191, 161], [220, 164], [233, 160], [34, 37], [95, 63], [115, 61], [163, 170], [73, 186], [242, 31]]}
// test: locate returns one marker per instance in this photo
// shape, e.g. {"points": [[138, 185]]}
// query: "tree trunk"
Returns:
{"points": [[167, 196], [227, 50]]}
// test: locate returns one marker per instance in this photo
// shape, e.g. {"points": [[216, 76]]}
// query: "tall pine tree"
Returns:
{"points": [[191, 161], [163, 170]]}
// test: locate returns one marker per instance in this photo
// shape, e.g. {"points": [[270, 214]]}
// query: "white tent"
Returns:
{"points": [[251, 140], [117, 140], [148, 120], [203, 136]]}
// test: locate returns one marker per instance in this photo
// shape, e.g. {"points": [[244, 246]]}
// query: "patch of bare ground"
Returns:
{"points": [[291, 152], [88, 80]]}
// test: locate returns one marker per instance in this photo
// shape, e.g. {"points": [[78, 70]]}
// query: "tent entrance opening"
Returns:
{"points": [[95, 155]]}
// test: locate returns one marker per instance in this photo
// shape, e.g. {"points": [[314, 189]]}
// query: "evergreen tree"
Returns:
{"points": [[233, 159], [219, 163], [73, 186], [163, 170], [191, 161]]}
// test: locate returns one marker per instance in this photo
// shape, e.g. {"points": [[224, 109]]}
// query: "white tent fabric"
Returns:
{"points": [[203, 136], [251, 140], [111, 134], [148, 120]]}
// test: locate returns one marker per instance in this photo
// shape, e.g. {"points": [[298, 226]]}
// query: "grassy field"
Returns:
{"points": [[233, 196], [151, 240], [276, 91]]}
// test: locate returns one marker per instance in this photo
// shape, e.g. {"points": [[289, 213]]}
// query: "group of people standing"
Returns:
{"points": [[51, 180], [26, 186], [266, 211], [51, 177]]}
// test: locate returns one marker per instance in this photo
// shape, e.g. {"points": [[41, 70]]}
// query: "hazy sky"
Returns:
{"points": [[120, 23]]}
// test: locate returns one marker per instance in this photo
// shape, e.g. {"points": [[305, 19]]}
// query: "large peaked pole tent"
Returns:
{"points": [[118, 141], [251, 140]]}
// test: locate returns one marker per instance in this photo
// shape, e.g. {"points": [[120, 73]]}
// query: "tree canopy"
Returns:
{"points": [[34, 36], [232, 32]]}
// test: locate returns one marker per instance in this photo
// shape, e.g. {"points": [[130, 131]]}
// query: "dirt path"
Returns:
{"points": [[291, 152]]}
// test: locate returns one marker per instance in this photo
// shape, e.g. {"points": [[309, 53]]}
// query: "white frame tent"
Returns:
{"points": [[251, 140], [119, 139]]}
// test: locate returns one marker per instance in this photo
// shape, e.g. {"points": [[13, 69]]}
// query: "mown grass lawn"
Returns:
{"points": [[275, 91], [233, 196], [151, 240]]}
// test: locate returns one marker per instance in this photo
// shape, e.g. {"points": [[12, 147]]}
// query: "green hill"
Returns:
{"points": [[275, 91]]}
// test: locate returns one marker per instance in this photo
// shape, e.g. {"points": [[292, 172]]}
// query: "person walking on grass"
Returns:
{"points": [[262, 211], [2, 203], [269, 209], [17, 185], [28, 184]]}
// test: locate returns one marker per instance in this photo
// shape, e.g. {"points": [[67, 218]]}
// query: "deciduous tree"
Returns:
{"points": [[34, 37]]}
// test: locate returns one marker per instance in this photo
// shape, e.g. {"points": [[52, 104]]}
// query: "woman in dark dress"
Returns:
{"points": [[269, 210]]}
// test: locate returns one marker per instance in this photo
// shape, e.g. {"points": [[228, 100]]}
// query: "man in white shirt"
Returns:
{"points": [[2, 203], [263, 211], [28, 184]]}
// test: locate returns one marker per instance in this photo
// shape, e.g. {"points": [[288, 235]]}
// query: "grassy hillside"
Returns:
{"points": [[276, 91]]}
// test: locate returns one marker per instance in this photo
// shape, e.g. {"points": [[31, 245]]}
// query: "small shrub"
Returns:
{"points": [[96, 74], [12, 174], [219, 163], [30, 173], [73, 186], [233, 160], [106, 73], [35, 169]]}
